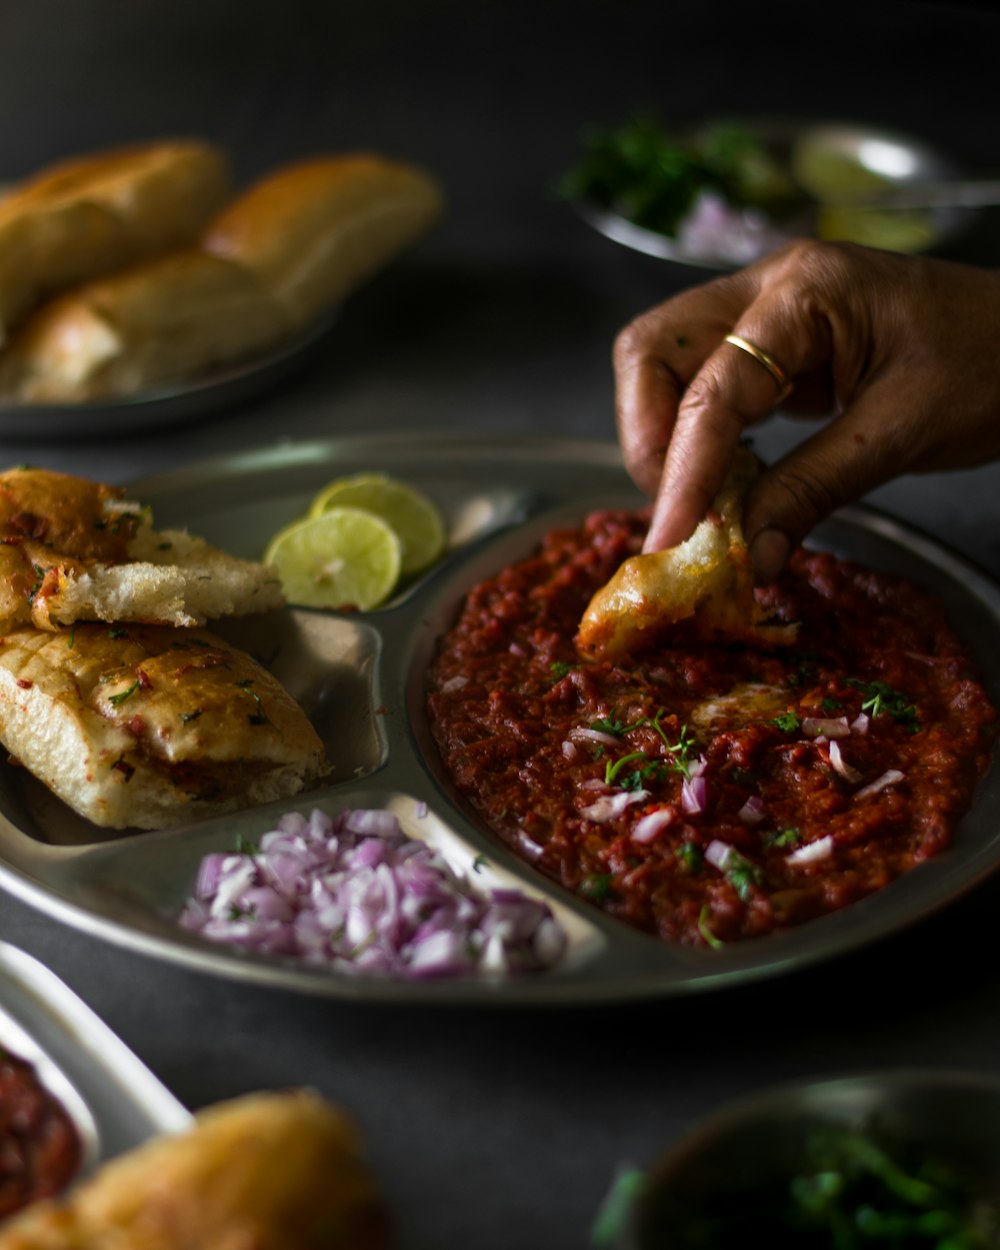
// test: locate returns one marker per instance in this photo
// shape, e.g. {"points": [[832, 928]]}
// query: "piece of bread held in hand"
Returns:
{"points": [[269, 1171], [707, 580], [94, 214], [75, 550], [269, 265], [148, 726]]}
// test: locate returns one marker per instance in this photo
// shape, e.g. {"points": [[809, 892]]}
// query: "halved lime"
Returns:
{"points": [[413, 516], [344, 558]]}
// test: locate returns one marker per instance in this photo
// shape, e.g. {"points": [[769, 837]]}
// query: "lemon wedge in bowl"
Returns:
{"points": [[414, 518], [344, 557]]}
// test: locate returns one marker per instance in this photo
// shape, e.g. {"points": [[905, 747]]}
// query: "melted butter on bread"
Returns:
{"points": [[149, 726], [74, 550], [709, 578]]}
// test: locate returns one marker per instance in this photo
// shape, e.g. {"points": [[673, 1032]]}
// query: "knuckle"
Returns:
{"points": [[632, 341], [811, 497]]}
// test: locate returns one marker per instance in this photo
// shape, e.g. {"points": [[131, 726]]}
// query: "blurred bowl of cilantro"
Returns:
{"points": [[725, 193], [904, 1160]]}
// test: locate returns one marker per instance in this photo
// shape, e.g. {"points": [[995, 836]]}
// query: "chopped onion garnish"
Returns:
{"points": [[647, 827], [860, 723], [580, 733], [888, 778], [694, 794], [354, 894], [454, 683], [608, 806], [569, 751], [822, 848], [827, 726], [841, 766], [717, 854], [752, 811]]}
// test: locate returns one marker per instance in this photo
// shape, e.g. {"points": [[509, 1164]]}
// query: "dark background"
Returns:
{"points": [[503, 1128]]}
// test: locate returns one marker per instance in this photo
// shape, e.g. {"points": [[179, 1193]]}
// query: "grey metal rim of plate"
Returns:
{"points": [[166, 405], [360, 677], [114, 1101]]}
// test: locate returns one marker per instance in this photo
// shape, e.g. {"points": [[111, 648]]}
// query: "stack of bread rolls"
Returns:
{"points": [[129, 270]]}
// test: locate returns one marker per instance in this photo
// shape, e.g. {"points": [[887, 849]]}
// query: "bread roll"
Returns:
{"points": [[172, 317], [272, 263], [147, 726], [312, 232], [93, 214], [262, 1172], [72, 549]]}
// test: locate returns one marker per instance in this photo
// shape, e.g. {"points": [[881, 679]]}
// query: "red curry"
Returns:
{"points": [[40, 1148], [705, 792]]}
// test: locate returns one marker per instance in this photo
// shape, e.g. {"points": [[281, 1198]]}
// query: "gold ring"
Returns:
{"points": [[784, 382]]}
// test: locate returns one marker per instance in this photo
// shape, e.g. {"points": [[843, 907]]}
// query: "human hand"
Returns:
{"points": [[903, 351]]}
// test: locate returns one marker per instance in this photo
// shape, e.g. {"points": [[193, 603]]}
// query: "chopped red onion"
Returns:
{"points": [[860, 723], [694, 794], [841, 766], [647, 827], [828, 726], [822, 848], [888, 778], [608, 806], [580, 733], [752, 812], [717, 854], [569, 751], [454, 683], [354, 894]]}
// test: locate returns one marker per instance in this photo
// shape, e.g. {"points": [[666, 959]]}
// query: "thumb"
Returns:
{"points": [[858, 451]]}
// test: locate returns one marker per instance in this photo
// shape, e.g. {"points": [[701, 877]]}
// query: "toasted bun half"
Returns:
{"points": [[93, 214], [76, 550], [708, 578], [314, 231], [145, 727], [269, 1171]]}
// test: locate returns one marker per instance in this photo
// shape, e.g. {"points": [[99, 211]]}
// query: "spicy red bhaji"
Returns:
{"points": [[702, 791]]}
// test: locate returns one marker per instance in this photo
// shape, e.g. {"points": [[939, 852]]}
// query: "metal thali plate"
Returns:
{"points": [[114, 1101], [360, 678]]}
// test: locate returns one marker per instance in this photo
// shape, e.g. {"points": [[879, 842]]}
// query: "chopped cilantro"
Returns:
{"points": [[610, 725], [597, 886], [116, 700], [559, 669], [788, 722], [691, 856], [245, 846], [741, 874], [829, 705], [782, 838], [705, 931], [880, 697], [614, 767]]}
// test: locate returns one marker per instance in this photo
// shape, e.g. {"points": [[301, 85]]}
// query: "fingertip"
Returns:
{"points": [[769, 551]]}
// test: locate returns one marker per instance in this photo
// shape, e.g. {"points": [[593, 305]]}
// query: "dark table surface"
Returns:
{"points": [[498, 1128]]}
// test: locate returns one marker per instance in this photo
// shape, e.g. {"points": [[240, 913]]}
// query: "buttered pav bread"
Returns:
{"points": [[270, 264], [708, 579], [146, 726], [93, 214], [268, 1171], [73, 550], [314, 231]]}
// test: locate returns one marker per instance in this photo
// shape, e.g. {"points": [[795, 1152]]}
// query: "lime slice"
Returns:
{"points": [[345, 558], [411, 514]]}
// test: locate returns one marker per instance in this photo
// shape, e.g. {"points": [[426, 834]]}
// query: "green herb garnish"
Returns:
{"points": [[559, 669], [880, 697], [713, 941], [597, 887], [782, 839], [691, 856], [741, 874], [787, 722], [116, 700]]}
